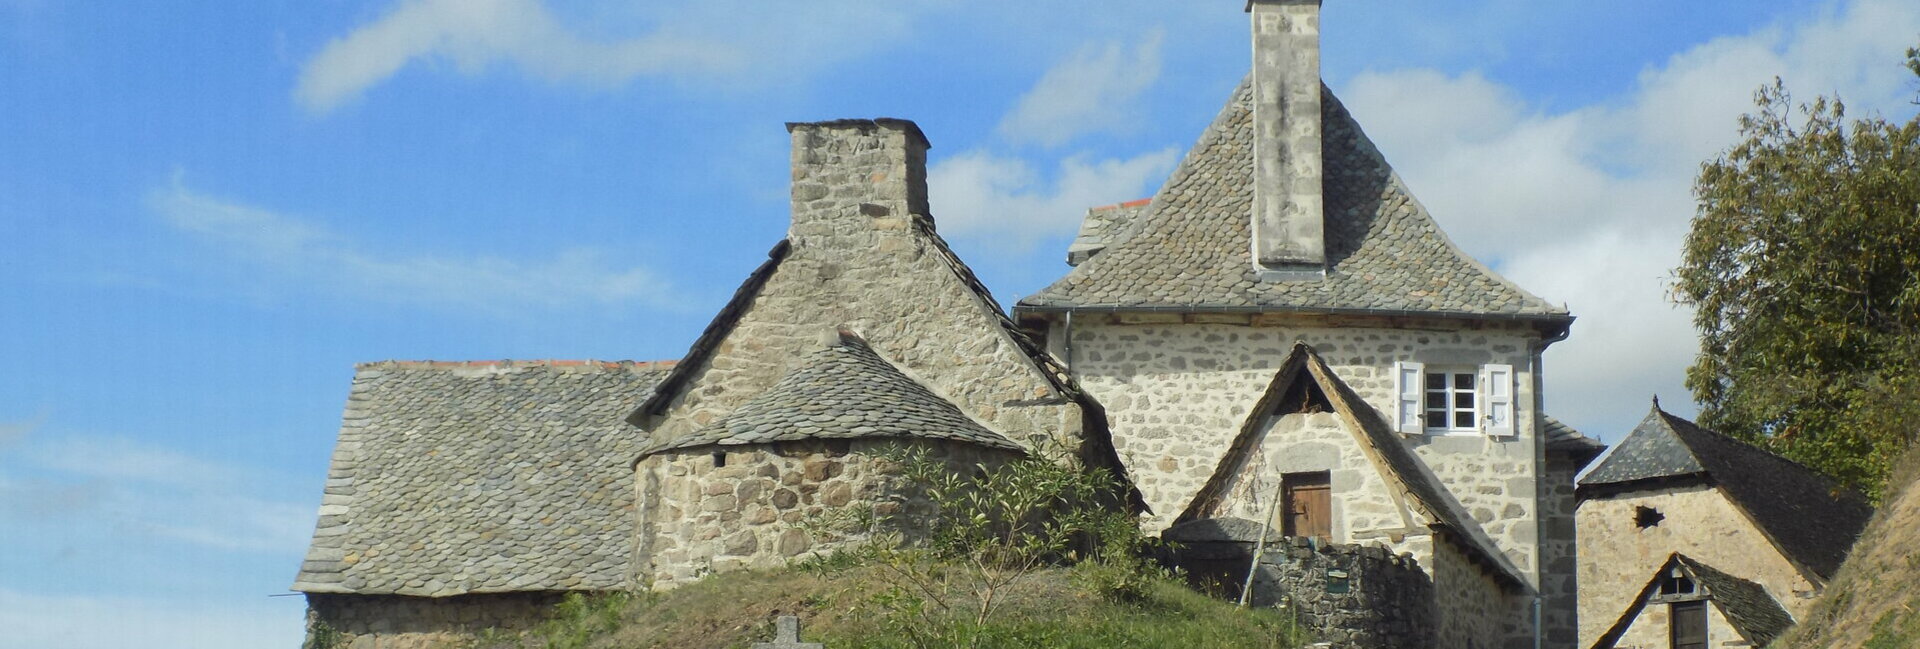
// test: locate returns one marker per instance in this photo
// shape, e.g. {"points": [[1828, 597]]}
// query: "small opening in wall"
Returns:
{"points": [[1645, 517], [1676, 582], [719, 460]]}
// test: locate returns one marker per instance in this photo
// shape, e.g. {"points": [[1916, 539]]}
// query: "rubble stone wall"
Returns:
{"points": [[1617, 557], [697, 518], [402, 622], [1388, 600], [1177, 392], [1559, 553], [861, 259], [1475, 611], [1362, 500]]}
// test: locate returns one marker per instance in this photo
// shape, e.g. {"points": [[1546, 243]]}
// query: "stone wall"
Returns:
{"points": [[861, 259], [1652, 629], [1617, 557], [1388, 603], [1362, 500], [1475, 611], [697, 518], [1176, 394], [1559, 552], [401, 622]]}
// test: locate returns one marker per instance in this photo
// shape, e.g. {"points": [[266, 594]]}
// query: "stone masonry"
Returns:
{"points": [[697, 518], [864, 257], [1698, 521], [402, 622], [1355, 596]]}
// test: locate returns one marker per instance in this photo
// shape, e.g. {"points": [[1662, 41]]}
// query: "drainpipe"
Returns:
{"points": [[1536, 619], [1066, 342]]}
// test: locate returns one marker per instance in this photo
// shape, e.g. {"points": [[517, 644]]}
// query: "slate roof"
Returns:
{"points": [[1398, 462], [1756, 615], [1098, 449], [1105, 226], [845, 390], [1813, 521], [1192, 250], [480, 477], [1561, 437]]}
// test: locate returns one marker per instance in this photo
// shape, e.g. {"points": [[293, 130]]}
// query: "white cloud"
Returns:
{"points": [[311, 254], [983, 195], [720, 43], [76, 485], [1589, 206], [473, 34], [1095, 90], [113, 622]]}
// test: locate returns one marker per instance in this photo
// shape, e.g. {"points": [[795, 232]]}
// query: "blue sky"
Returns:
{"points": [[210, 212]]}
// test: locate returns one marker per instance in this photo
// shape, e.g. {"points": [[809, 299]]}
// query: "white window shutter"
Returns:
{"points": [[1497, 399], [1411, 410]]}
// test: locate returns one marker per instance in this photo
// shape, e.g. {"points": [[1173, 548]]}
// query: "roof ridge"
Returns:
{"points": [[1744, 445], [516, 363]]}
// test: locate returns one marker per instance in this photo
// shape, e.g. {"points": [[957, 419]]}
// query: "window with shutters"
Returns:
{"points": [[1455, 400]]}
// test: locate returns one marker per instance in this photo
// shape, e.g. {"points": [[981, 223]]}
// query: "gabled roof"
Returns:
{"points": [[482, 477], [1097, 444], [1756, 615], [843, 391], [1562, 438], [1811, 519], [1396, 462], [1193, 249]]}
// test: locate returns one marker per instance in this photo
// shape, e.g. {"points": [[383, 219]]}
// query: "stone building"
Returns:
{"points": [[472, 494], [1284, 235], [1690, 605], [1281, 335], [1673, 488]]}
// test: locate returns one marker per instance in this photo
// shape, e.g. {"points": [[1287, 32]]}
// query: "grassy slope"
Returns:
{"points": [[1874, 602], [1050, 610]]}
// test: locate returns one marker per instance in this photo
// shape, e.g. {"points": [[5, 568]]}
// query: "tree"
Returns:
{"points": [[1804, 266]]}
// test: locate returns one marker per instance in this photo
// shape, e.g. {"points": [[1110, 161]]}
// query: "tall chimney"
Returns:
{"points": [[1289, 228], [855, 177]]}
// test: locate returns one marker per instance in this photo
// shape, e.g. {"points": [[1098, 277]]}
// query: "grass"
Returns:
{"points": [[1874, 601], [843, 609]]}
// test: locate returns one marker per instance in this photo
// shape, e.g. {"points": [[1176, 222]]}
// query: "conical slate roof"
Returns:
{"points": [[843, 391], [1812, 520], [1193, 249]]}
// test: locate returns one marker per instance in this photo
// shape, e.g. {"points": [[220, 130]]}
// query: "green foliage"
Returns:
{"points": [[575, 623], [1804, 266], [321, 635], [991, 528]]}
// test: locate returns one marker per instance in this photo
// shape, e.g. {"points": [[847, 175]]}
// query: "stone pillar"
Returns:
{"points": [[852, 178], [1289, 230]]}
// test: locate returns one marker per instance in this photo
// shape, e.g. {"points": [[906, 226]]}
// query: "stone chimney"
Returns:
{"points": [[855, 177], [1289, 228]]}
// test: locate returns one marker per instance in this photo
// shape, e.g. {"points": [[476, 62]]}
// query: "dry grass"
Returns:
{"points": [[1874, 602]]}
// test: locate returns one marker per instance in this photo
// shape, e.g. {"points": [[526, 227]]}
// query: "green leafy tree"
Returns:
{"points": [[1804, 266]]}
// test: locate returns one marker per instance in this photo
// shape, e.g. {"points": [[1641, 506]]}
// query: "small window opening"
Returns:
{"points": [[1450, 401], [1676, 582], [719, 460], [1645, 517]]}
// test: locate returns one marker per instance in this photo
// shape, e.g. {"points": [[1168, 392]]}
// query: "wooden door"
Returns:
{"points": [[1308, 505], [1688, 621]]}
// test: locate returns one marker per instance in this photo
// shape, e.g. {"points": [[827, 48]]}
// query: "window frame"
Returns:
{"points": [[1495, 402], [1450, 392]]}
